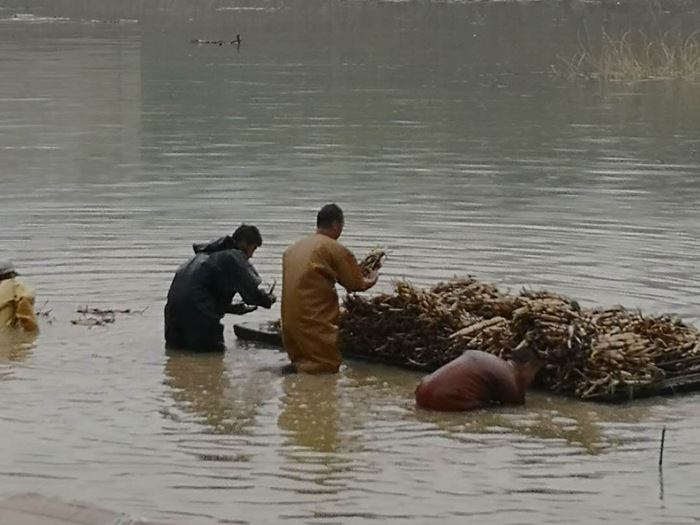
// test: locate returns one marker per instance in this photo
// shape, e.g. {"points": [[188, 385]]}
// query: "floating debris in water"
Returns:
{"points": [[46, 314], [103, 312], [115, 21], [236, 41], [92, 320], [100, 316], [30, 18]]}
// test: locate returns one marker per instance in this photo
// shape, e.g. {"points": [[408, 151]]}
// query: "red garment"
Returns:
{"points": [[474, 380]]}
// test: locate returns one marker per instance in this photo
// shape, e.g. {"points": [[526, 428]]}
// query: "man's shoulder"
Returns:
{"points": [[223, 259], [486, 360], [226, 253], [7, 289], [16, 287], [479, 355], [325, 242], [310, 242], [292, 248]]}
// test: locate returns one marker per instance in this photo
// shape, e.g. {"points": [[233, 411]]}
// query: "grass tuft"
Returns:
{"points": [[635, 57]]}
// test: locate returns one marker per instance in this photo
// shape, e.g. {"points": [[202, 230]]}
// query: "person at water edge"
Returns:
{"points": [[16, 300], [311, 267], [202, 290], [477, 380]]}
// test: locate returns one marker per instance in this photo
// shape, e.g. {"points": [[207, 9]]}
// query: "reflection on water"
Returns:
{"points": [[576, 423], [16, 345], [202, 385], [566, 420], [309, 413]]}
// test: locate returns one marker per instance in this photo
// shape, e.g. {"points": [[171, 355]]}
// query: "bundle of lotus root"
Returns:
{"points": [[374, 260], [589, 353]]}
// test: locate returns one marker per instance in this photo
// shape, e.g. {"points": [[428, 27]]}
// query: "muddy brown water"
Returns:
{"points": [[439, 128]]}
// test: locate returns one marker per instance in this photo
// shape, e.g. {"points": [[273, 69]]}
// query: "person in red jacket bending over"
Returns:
{"points": [[477, 380]]}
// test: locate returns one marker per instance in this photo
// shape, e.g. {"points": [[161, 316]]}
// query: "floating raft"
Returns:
{"points": [[611, 354], [269, 335], [262, 333]]}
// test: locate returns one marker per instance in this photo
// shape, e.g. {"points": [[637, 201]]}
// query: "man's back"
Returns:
{"points": [[310, 308], [474, 380], [191, 285], [206, 283], [308, 277], [16, 305]]}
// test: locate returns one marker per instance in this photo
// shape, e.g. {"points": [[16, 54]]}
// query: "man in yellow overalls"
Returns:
{"points": [[310, 270], [16, 300]]}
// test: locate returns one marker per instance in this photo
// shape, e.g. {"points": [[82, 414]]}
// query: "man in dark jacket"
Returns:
{"points": [[203, 288]]}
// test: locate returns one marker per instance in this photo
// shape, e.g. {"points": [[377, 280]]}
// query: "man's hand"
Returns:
{"points": [[265, 299], [240, 309], [371, 279]]}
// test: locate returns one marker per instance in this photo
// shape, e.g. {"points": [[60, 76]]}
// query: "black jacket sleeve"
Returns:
{"points": [[250, 291], [240, 309], [239, 276]]}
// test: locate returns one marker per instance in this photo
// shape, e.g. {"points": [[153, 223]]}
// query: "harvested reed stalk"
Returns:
{"points": [[373, 261], [410, 324], [587, 353], [477, 327]]}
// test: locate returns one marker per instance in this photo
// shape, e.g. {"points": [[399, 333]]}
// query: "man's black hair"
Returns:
{"points": [[328, 215], [247, 233]]}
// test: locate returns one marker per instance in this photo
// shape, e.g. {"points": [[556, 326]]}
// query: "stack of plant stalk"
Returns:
{"points": [[372, 261], [589, 353]]}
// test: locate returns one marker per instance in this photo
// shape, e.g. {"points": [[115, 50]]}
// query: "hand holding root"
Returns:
{"points": [[370, 265], [372, 277], [241, 309]]}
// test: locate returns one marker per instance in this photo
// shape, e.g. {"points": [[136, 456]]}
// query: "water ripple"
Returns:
{"points": [[123, 145]]}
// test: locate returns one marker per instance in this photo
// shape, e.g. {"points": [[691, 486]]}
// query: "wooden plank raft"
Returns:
{"points": [[679, 383], [264, 334], [34, 509]]}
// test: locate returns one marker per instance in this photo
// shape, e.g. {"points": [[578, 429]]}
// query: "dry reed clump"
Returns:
{"points": [[374, 260], [412, 324], [636, 57], [587, 353]]}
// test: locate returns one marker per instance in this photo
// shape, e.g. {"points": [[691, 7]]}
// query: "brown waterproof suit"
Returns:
{"points": [[17, 305], [310, 269]]}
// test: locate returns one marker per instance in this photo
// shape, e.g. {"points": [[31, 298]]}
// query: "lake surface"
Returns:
{"points": [[441, 130]]}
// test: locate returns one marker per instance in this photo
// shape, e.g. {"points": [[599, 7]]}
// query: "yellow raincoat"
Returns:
{"points": [[310, 269], [17, 305]]}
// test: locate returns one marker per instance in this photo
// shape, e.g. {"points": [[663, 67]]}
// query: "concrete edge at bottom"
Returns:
{"points": [[35, 509]]}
